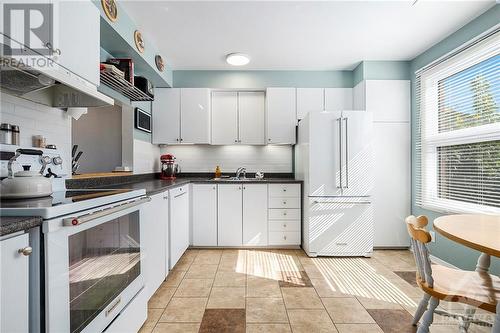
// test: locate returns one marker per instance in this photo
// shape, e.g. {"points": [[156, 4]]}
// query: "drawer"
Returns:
{"points": [[284, 190], [285, 225], [284, 238], [284, 214], [179, 190], [284, 202]]}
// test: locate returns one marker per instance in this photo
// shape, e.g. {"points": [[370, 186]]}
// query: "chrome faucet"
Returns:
{"points": [[241, 170]]}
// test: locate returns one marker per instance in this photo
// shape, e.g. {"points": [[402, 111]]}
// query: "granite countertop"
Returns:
{"points": [[154, 186], [11, 224]]}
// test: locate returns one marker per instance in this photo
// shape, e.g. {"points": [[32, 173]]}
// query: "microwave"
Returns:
{"points": [[142, 120]]}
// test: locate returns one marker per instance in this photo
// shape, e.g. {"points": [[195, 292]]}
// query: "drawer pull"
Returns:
{"points": [[284, 225], [25, 251], [284, 237], [284, 190], [284, 213], [284, 202]]}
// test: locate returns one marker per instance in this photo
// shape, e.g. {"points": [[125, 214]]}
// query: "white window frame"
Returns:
{"points": [[431, 139]]}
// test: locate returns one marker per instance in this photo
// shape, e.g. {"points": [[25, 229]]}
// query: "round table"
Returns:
{"points": [[478, 232]]}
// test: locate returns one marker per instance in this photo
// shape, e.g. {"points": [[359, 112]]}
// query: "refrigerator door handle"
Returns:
{"points": [[355, 202], [340, 152], [346, 154]]}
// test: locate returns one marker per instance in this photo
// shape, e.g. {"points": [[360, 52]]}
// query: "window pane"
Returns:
{"points": [[471, 97], [470, 173]]}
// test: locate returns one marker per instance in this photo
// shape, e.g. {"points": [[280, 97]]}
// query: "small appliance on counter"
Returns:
{"points": [[169, 169]]}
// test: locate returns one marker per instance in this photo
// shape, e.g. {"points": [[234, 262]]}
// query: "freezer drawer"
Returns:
{"points": [[284, 214], [284, 190], [340, 227], [284, 202]]}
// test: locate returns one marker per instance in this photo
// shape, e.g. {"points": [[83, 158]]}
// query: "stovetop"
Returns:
{"points": [[65, 202]]}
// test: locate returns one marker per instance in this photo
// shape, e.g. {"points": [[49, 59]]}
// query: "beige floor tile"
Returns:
{"points": [[236, 266], [201, 271], [230, 279], [374, 303], [153, 317], [184, 310], [326, 288], [265, 310], [262, 287], [161, 297], [301, 298], [347, 311], [208, 257], [359, 328], [194, 288], [268, 328], [177, 328], [227, 298], [174, 278], [183, 264], [308, 321]]}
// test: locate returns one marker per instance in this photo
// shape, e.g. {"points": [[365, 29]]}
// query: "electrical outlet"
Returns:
{"points": [[433, 236]]}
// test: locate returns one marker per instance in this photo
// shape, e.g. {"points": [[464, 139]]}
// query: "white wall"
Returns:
{"points": [[35, 119], [146, 157], [203, 158]]}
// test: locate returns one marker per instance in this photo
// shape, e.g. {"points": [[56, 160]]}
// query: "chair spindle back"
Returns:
{"points": [[419, 238]]}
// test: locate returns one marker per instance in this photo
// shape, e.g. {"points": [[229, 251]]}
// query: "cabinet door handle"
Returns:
{"points": [[284, 225], [284, 190], [284, 213], [25, 251], [165, 197], [284, 237], [244, 188], [284, 202]]}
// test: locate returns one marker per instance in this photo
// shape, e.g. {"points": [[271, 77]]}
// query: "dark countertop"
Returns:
{"points": [[11, 224], [154, 186]]}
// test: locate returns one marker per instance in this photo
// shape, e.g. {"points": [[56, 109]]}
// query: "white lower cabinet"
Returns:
{"points": [[284, 214], [154, 227], [255, 215], [204, 210], [230, 215], [178, 223], [14, 284]]}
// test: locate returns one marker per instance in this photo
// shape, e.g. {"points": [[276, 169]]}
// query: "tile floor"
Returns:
{"points": [[285, 291]]}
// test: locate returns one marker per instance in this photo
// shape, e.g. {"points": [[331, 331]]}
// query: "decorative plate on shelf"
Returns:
{"points": [[110, 9], [159, 63], [139, 42]]}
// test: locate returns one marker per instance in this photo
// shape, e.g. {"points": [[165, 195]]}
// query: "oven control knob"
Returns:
{"points": [[26, 251], [71, 221]]}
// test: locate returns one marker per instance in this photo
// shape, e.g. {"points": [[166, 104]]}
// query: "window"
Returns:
{"points": [[458, 134]]}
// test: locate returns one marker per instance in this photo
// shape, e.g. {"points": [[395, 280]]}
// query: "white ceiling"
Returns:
{"points": [[299, 35]]}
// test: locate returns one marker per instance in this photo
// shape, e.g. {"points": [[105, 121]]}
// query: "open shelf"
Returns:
{"points": [[124, 87]]}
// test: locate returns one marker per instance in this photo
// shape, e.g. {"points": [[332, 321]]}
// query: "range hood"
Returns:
{"points": [[55, 86]]}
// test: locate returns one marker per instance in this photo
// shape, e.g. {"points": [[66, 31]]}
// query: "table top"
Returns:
{"points": [[477, 231]]}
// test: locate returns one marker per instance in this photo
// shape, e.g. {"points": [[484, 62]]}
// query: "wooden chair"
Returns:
{"points": [[477, 290]]}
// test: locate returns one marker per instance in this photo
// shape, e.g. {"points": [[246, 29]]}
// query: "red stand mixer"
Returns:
{"points": [[169, 169]]}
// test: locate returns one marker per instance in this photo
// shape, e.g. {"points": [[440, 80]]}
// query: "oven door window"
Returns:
{"points": [[103, 261]]}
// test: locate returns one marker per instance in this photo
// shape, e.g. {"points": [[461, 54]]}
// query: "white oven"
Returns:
{"points": [[92, 266]]}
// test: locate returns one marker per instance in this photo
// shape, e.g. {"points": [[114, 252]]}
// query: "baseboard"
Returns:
{"points": [[439, 261]]}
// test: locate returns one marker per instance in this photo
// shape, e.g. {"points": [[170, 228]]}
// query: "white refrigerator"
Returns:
{"points": [[333, 157]]}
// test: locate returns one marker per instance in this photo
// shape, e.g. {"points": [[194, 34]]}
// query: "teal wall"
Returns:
{"points": [[443, 248], [261, 79]]}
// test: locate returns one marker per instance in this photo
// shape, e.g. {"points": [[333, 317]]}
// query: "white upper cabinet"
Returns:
{"points": [[224, 117], [167, 116], [77, 38], [181, 115], [255, 214], [281, 115], [251, 117], [337, 99], [389, 100], [309, 99], [204, 210], [195, 115]]}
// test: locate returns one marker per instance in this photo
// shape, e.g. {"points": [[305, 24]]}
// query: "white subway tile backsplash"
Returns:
{"points": [[204, 158]]}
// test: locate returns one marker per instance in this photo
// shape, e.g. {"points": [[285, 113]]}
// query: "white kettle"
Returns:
{"points": [[26, 183]]}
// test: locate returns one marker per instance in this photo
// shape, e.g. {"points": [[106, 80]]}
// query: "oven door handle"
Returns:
{"points": [[77, 220]]}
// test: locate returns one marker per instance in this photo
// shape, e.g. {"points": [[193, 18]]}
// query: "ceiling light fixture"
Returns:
{"points": [[237, 59]]}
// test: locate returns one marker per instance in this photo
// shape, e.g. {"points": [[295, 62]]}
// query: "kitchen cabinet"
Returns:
{"points": [[167, 116], [255, 215], [154, 229], [195, 115], [284, 214], [81, 57], [309, 99], [14, 284], [204, 218], [389, 100], [238, 117], [224, 117], [178, 223], [181, 115], [338, 99], [230, 215], [281, 115]]}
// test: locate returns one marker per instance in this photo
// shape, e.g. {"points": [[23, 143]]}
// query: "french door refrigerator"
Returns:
{"points": [[333, 157]]}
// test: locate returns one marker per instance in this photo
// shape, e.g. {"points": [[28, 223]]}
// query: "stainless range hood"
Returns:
{"points": [[53, 86]]}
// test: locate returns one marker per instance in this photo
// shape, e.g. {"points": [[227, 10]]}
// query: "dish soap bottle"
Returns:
{"points": [[218, 173]]}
